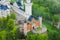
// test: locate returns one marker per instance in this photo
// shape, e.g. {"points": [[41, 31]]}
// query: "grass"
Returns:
{"points": [[39, 28]]}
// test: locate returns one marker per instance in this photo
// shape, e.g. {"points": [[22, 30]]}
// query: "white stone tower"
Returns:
{"points": [[28, 8], [40, 20], [25, 29], [22, 2]]}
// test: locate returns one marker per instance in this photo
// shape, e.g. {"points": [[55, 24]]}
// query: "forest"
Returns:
{"points": [[48, 9]]}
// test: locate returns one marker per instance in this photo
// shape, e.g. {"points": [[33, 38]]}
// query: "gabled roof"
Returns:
{"points": [[3, 7], [19, 3]]}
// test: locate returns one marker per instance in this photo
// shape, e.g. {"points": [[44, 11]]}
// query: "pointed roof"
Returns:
{"points": [[19, 3]]}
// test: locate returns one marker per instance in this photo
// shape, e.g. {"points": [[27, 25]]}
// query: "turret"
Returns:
{"points": [[40, 20], [25, 28], [22, 2], [28, 1], [28, 8]]}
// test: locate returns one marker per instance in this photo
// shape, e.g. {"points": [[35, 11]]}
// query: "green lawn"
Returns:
{"points": [[39, 28]]}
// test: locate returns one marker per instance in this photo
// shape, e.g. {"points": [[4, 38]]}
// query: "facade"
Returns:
{"points": [[25, 11], [31, 24], [4, 8]]}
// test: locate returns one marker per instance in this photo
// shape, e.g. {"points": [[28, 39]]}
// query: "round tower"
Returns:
{"points": [[25, 29], [40, 20], [22, 2], [28, 8]]}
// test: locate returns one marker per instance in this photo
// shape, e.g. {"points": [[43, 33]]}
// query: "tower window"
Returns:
{"points": [[27, 23], [19, 22]]}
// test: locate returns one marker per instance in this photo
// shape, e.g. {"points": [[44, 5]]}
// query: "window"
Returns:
{"points": [[19, 22]]}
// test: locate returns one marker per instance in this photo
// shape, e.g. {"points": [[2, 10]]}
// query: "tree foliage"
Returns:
{"points": [[8, 29]]}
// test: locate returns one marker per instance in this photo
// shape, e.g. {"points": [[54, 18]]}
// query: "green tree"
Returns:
{"points": [[12, 1], [8, 29], [12, 15], [55, 19]]}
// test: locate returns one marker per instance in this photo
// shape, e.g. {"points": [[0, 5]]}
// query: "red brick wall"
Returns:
{"points": [[29, 26]]}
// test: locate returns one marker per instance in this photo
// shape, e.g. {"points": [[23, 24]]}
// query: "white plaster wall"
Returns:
{"points": [[15, 5], [8, 12], [3, 13], [40, 19], [25, 28], [28, 1], [28, 9]]}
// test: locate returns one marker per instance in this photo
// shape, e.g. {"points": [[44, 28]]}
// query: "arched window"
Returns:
{"points": [[19, 22]]}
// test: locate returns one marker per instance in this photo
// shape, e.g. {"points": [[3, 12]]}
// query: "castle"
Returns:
{"points": [[23, 12]]}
